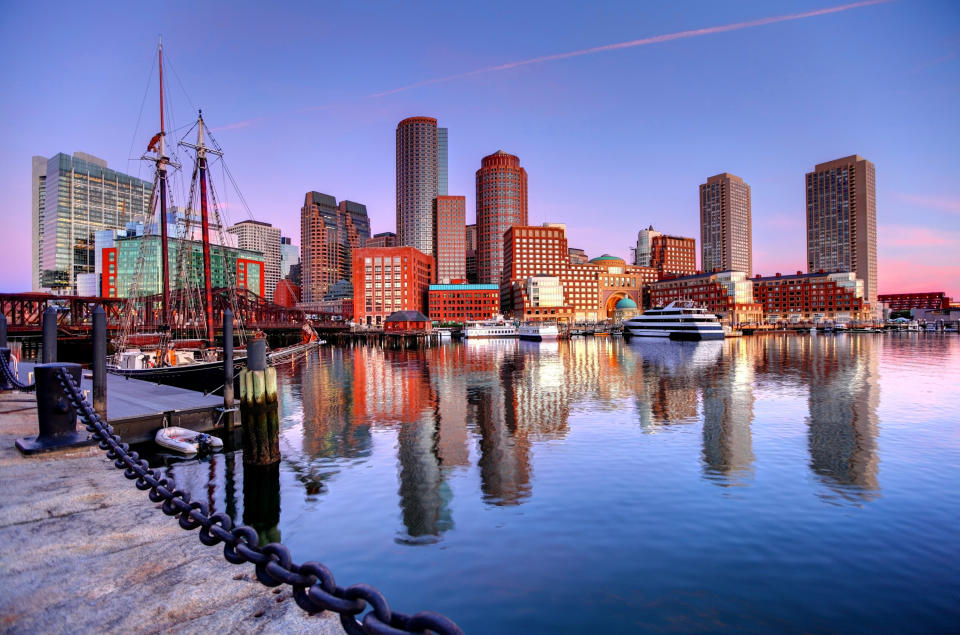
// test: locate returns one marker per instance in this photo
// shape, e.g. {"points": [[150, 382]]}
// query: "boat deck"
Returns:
{"points": [[137, 408]]}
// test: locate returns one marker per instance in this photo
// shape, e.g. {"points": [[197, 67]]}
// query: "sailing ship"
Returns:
{"points": [[182, 351]]}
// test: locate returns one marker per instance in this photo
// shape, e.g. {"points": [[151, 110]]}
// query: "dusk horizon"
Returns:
{"points": [[617, 116]]}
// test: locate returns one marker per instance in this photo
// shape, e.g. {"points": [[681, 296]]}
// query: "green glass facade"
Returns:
{"points": [[224, 270]]}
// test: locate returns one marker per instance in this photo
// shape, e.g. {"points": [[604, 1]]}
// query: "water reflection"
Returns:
{"points": [[844, 395], [482, 408]]}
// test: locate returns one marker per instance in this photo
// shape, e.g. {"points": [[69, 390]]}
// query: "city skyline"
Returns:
{"points": [[640, 164]]}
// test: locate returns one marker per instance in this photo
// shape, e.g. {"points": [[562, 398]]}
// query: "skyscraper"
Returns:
{"points": [[470, 253], [418, 171], [442, 151], [264, 238], [501, 204], [449, 232], [328, 235], [73, 197], [726, 234], [842, 220]]}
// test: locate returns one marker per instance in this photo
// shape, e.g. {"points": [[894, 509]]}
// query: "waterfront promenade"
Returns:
{"points": [[82, 550]]}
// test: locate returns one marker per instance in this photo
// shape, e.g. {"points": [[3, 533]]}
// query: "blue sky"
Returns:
{"points": [[612, 141]]}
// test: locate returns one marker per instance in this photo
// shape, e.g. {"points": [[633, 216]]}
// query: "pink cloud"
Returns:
{"points": [[939, 203], [909, 276], [900, 236]]}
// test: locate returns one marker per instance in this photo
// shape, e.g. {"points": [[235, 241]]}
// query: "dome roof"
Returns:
{"points": [[604, 257], [626, 303]]}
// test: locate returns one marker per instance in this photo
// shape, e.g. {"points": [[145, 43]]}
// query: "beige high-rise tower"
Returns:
{"points": [[726, 230], [842, 220]]}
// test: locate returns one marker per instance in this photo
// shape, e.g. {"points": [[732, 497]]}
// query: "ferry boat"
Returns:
{"points": [[539, 332], [489, 329], [679, 320]]}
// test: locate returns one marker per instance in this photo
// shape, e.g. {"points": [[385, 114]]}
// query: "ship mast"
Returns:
{"points": [[202, 151], [162, 160]]}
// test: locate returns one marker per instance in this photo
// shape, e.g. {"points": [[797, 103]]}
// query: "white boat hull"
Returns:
{"points": [[187, 442]]}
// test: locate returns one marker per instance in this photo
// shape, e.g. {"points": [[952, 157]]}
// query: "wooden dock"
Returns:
{"points": [[136, 409]]}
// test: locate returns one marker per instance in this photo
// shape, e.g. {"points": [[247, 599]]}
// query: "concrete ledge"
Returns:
{"points": [[82, 550]]}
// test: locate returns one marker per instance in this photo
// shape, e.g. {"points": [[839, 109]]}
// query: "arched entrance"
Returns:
{"points": [[611, 304]]}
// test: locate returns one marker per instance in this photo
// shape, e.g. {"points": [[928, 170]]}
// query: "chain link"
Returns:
{"points": [[13, 379], [314, 589]]}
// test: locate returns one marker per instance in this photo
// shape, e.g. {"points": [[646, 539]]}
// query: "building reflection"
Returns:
{"points": [[727, 414], [843, 423]]}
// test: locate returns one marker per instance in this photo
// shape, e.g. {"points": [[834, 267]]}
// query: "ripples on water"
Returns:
{"points": [[788, 482]]}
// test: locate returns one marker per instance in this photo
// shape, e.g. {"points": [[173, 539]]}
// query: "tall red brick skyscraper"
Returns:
{"points": [[842, 220], [449, 236], [418, 169], [501, 204], [726, 227]]}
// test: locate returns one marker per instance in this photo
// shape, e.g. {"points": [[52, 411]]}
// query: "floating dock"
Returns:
{"points": [[136, 409]]}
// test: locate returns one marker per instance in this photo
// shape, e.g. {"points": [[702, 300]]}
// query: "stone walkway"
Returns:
{"points": [[82, 550]]}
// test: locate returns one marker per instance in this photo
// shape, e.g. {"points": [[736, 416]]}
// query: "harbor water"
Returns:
{"points": [[788, 482]]}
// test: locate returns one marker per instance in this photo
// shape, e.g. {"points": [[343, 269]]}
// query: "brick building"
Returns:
{"points": [[590, 290], [907, 301], [501, 204], [728, 294], [811, 297], [389, 279], [406, 321], [383, 239], [673, 256], [463, 302], [449, 237], [329, 233]]}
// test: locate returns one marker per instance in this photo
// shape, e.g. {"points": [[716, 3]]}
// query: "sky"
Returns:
{"points": [[617, 110]]}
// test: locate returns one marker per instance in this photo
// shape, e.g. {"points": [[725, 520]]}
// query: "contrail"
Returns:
{"points": [[656, 39]]}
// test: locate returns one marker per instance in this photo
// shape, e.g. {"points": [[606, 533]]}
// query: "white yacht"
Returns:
{"points": [[679, 320], [539, 332], [494, 328]]}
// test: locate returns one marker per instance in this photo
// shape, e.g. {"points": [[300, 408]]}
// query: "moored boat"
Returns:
{"points": [[187, 442], [538, 332], [489, 329], [679, 320]]}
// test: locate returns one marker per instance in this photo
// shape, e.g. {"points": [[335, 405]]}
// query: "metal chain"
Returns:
{"points": [[13, 379], [314, 588]]}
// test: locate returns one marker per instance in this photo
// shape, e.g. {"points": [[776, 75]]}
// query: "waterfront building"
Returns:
{"points": [[449, 237], [329, 234], [388, 279], [289, 256], [908, 301], [590, 290], [72, 198], [726, 234], [406, 321], [418, 171], [834, 297], [673, 256], [470, 253], [577, 256], [729, 294], [88, 285], [383, 239], [463, 302], [643, 251], [264, 238], [625, 309], [229, 267], [842, 220], [501, 204]]}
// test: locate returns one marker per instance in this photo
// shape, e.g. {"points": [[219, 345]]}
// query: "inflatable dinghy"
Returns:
{"points": [[187, 442]]}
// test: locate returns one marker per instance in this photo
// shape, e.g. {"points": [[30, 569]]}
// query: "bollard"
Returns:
{"points": [[100, 361], [56, 415], [50, 335], [4, 382], [3, 330], [228, 399]]}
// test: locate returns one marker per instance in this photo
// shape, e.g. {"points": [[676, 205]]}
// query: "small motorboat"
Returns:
{"points": [[187, 442]]}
